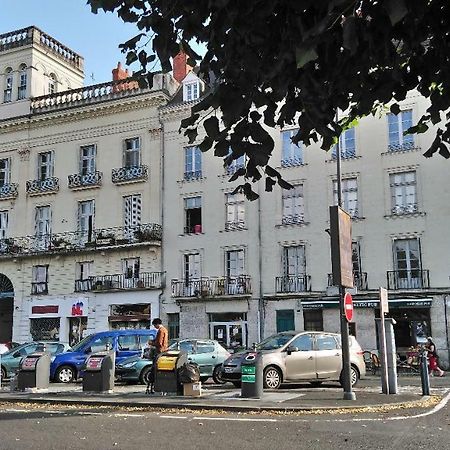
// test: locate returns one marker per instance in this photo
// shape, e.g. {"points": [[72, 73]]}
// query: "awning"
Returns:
{"points": [[375, 303]]}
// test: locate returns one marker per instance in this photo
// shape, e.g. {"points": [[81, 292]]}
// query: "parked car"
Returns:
{"points": [[7, 346], [294, 356], [10, 361], [68, 366], [206, 353]]}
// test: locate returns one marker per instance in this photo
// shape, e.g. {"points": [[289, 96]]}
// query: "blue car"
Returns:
{"points": [[68, 366]]}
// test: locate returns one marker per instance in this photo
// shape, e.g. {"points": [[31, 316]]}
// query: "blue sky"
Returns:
{"points": [[95, 37]]}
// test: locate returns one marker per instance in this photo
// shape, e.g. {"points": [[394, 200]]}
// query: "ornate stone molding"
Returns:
{"points": [[24, 153], [155, 133]]}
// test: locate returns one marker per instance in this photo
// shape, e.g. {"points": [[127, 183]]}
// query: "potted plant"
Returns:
{"points": [[59, 243], [105, 238]]}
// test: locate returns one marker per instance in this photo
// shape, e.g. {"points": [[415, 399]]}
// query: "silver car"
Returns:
{"points": [[300, 356]]}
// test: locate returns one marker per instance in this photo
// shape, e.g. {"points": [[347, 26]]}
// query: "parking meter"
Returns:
{"points": [[252, 376], [34, 371], [99, 372]]}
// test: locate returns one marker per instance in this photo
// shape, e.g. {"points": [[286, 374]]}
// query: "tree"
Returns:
{"points": [[283, 62]]}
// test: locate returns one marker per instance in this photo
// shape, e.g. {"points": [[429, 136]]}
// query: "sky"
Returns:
{"points": [[94, 36]]}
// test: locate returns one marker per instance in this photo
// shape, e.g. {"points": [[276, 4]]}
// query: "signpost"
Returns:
{"points": [[384, 308]]}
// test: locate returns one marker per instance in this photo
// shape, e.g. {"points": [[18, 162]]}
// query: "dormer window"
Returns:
{"points": [[191, 91]]}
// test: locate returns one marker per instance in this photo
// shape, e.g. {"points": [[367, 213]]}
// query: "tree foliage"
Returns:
{"points": [[297, 63]]}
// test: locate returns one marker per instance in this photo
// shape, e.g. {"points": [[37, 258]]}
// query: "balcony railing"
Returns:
{"points": [[237, 225], [80, 240], [212, 287], [127, 174], [402, 147], [194, 175], [145, 280], [408, 279], [39, 288], [359, 280], [295, 219], [78, 180], [9, 190], [409, 208], [46, 186], [292, 283], [291, 162]]}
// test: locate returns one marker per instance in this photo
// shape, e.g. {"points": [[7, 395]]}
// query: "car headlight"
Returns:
{"points": [[129, 365]]}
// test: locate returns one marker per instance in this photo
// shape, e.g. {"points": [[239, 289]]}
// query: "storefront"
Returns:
{"points": [[130, 316], [230, 329]]}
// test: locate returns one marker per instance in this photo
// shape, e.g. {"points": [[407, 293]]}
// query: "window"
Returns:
{"points": [[235, 211], [52, 83], [132, 211], [192, 266], [403, 192], [325, 342], [87, 159], [83, 272], [349, 188], [407, 264], [3, 224], [22, 89], [7, 93], [45, 165], [397, 125], [131, 268], [39, 283], [235, 165], [285, 320], [186, 346], [128, 343], [191, 91], [313, 320], [42, 226], [205, 347], [291, 154], [347, 144], [173, 325], [234, 263], [86, 216], [294, 268], [44, 329], [5, 167], [303, 343], [193, 215], [132, 152], [101, 344], [293, 206], [192, 163]]}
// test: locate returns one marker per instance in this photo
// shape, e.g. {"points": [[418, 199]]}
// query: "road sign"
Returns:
{"points": [[384, 303], [348, 307]]}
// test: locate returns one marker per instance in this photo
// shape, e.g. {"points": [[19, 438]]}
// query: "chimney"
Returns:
{"points": [[119, 73], [180, 66]]}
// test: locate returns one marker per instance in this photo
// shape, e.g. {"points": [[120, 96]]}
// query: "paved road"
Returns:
{"points": [[50, 427]]}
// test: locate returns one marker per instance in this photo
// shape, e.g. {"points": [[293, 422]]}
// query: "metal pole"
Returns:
{"points": [[346, 367], [384, 365], [424, 378]]}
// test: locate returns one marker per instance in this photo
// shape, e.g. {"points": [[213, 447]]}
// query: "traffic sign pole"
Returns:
{"points": [[345, 341]]}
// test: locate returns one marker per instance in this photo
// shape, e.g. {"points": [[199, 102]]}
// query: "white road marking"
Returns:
{"points": [[173, 417], [235, 419], [128, 415]]}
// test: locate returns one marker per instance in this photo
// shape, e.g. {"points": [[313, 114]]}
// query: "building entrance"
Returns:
{"points": [[6, 308]]}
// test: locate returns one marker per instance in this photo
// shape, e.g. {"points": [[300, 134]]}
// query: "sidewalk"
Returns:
{"points": [[301, 398]]}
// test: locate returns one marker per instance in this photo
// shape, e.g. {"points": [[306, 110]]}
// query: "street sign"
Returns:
{"points": [[348, 307], [384, 303]]}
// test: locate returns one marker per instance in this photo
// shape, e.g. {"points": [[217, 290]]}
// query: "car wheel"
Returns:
{"points": [[237, 384], [4, 373], [144, 377], [354, 376], [315, 383], [272, 378], [65, 374], [217, 375]]}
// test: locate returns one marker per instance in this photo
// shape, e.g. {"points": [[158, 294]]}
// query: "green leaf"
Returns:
{"points": [[350, 38], [395, 109], [284, 184], [305, 55], [239, 173], [191, 134], [396, 10], [131, 58], [270, 183], [222, 148], [206, 144], [212, 127]]}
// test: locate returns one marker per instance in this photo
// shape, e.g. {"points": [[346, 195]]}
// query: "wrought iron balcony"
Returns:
{"points": [[291, 162], [80, 240], [295, 219], [78, 180], [212, 287], [9, 190], [145, 280], [194, 175], [359, 280], [402, 147], [128, 174], [39, 288], [292, 283], [237, 225], [408, 279], [46, 186], [408, 208]]}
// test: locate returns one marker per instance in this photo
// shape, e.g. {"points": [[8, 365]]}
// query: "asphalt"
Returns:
{"points": [[226, 398]]}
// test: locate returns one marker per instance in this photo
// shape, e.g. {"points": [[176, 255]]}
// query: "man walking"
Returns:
{"points": [[161, 344]]}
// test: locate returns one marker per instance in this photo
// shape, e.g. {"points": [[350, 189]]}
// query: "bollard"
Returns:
{"points": [[424, 376]]}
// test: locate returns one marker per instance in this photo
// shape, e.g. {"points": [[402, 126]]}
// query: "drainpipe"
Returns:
{"points": [[161, 203], [261, 299], [447, 338]]}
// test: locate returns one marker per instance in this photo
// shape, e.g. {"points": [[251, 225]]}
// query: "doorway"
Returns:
{"points": [[229, 329], [6, 308]]}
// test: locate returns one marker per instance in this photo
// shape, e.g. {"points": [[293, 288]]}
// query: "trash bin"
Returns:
{"points": [[34, 371], [252, 376], [99, 372], [167, 377]]}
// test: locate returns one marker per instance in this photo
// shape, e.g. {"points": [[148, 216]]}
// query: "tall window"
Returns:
{"points": [[291, 154], [52, 83], [235, 211], [7, 93], [403, 192], [193, 215], [82, 276], [294, 269], [39, 280], [192, 266], [42, 226], [234, 263], [235, 165], [132, 211], [5, 168], [22, 89], [347, 144], [45, 165], [407, 264], [349, 195], [87, 159], [173, 325], [86, 215], [192, 163], [3, 224], [397, 125], [131, 268], [293, 205], [132, 152], [191, 91]]}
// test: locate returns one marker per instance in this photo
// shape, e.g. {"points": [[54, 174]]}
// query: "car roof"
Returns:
{"points": [[124, 332]]}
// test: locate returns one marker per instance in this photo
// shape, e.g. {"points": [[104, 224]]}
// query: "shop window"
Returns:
{"points": [[313, 320], [173, 324], [130, 316], [44, 329]]}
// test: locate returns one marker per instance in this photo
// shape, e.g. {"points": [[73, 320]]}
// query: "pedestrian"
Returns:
{"points": [[161, 344], [433, 357]]}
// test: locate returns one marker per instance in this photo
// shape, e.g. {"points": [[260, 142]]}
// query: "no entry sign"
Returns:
{"points": [[348, 307]]}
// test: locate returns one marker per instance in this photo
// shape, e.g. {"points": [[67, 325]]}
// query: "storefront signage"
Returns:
{"points": [[48, 309], [77, 309], [393, 303]]}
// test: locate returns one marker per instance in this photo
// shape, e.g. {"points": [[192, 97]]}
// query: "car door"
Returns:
{"points": [[127, 345], [205, 356], [300, 364], [19, 354], [328, 357]]}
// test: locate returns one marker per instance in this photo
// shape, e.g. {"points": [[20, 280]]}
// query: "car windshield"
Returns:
{"points": [[15, 349], [275, 341], [80, 344]]}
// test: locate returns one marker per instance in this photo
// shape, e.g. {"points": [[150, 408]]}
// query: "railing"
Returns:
{"points": [[232, 226], [233, 168], [48, 185], [295, 219], [292, 283], [195, 175], [9, 190], [409, 208], [80, 240], [39, 288], [92, 179], [359, 280], [408, 279], [291, 162], [211, 287], [145, 280], [402, 147], [133, 173]]}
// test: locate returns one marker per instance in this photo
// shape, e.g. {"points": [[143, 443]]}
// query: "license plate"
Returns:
{"points": [[228, 369]]}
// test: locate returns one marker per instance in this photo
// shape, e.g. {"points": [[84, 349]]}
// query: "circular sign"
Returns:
{"points": [[348, 307]]}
